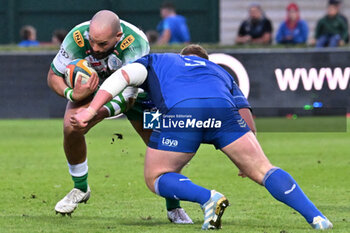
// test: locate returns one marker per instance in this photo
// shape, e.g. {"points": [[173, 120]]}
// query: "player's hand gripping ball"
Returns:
{"points": [[74, 69]]}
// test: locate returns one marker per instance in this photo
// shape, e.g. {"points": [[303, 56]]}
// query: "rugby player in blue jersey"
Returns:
{"points": [[191, 84]]}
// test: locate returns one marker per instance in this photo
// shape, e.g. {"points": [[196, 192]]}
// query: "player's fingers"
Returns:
{"points": [[79, 78], [92, 78], [95, 80], [241, 174], [77, 124], [83, 124], [73, 118], [93, 85], [73, 122]]}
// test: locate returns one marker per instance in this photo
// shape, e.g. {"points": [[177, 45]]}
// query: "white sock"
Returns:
{"points": [[79, 169]]}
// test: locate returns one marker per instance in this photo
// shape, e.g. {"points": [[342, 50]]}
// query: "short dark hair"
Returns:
{"points": [[152, 36], [26, 31], [60, 34], [168, 5], [195, 49], [334, 2]]}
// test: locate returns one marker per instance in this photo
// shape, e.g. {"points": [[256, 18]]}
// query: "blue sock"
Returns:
{"points": [[174, 185], [284, 188]]}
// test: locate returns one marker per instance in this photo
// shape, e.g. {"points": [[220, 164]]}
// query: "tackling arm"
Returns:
{"points": [[133, 74], [247, 116]]}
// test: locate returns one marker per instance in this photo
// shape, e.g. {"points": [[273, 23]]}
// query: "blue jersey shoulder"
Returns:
{"points": [[173, 78]]}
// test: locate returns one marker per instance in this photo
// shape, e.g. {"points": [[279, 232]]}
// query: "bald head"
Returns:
{"points": [[105, 22], [104, 32]]}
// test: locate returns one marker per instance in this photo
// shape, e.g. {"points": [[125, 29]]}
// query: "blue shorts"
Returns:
{"points": [[211, 121]]}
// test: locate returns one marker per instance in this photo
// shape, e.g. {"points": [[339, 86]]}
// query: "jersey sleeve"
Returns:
{"points": [[61, 60], [304, 32], [137, 50], [242, 31], [134, 45], [166, 24], [239, 98], [344, 30], [73, 46], [280, 33], [268, 26], [145, 61]]}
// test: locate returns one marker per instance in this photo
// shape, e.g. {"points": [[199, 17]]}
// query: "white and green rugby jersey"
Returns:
{"points": [[131, 46]]}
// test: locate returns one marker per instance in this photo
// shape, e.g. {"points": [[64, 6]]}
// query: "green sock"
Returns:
{"points": [[81, 182], [172, 204]]}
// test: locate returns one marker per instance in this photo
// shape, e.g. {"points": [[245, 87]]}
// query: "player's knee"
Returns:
{"points": [[150, 180], [150, 184], [258, 174], [69, 130]]}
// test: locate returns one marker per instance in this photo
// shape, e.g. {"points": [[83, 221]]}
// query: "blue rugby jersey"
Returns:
{"points": [[178, 28], [173, 78]]}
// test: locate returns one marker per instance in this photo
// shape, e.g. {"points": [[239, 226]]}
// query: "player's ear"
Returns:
{"points": [[119, 35]]}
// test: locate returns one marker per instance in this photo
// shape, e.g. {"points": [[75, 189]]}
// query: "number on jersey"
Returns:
{"points": [[191, 62]]}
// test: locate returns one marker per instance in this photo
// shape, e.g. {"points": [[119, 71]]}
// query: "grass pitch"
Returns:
{"points": [[34, 176]]}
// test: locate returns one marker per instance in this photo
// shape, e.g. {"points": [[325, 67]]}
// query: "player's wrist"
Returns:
{"points": [[92, 111], [68, 93]]}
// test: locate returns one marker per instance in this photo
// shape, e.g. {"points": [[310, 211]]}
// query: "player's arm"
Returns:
{"points": [[244, 110], [80, 91], [55, 76], [243, 106], [165, 38], [265, 39], [56, 83], [247, 116], [267, 36], [242, 36], [166, 34], [137, 49], [133, 74]]}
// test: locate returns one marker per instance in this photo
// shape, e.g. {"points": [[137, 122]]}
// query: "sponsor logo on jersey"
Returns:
{"points": [[63, 52], [78, 38], [114, 62], [95, 63], [242, 123], [170, 142], [127, 42]]}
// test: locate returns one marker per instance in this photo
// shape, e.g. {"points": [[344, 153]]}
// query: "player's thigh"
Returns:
{"points": [[248, 156], [135, 115], [145, 134], [158, 162], [71, 109]]}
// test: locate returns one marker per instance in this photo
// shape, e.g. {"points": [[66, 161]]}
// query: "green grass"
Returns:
{"points": [[302, 124], [34, 176]]}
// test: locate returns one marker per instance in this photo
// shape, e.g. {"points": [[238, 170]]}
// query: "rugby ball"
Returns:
{"points": [[74, 69]]}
